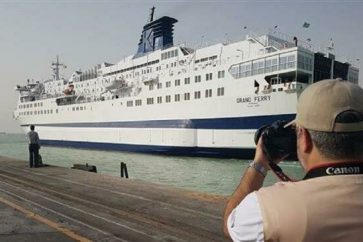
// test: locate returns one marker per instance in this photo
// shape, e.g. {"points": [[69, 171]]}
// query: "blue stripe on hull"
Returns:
{"points": [[155, 149], [210, 123]]}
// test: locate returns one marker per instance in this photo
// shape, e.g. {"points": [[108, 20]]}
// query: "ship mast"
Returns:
{"points": [[151, 14], [55, 68]]}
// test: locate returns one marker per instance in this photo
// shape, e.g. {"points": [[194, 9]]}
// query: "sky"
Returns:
{"points": [[86, 33]]}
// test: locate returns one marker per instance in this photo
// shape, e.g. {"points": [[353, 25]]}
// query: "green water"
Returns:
{"points": [[217, 176]]}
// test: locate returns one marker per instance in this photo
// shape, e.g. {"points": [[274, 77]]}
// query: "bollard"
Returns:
{"points": [[124, 170]]}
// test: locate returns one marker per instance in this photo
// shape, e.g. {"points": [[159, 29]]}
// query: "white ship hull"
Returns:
{"points": [[222, 127]]}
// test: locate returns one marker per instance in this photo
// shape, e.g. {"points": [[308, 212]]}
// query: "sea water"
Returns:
{"points": [[211, 175]]}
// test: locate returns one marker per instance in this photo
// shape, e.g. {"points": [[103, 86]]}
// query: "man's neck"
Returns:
{"points": [[317, 160]]}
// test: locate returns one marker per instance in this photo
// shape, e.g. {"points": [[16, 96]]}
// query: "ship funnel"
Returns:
{"points": [[157, 34]]}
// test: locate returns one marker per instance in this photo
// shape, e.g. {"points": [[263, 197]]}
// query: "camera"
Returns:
{"points": [[278, 142]]}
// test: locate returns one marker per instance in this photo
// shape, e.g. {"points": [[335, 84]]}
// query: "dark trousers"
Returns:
{"points": [[33, 155]]}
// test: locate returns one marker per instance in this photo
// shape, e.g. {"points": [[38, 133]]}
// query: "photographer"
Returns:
{"points": [[327, 205]]}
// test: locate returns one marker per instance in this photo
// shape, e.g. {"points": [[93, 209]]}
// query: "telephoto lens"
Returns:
{"points": [[278, 142]]}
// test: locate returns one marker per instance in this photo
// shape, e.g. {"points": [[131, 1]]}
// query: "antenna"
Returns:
{"points": [[55, 68], [152, 14]]}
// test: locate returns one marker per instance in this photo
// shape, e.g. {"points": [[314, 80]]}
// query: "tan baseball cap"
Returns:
{"points": [[320, 103]]}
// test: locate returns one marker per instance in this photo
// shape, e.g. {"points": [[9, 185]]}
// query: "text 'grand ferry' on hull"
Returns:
{"points": [[169, 99]]}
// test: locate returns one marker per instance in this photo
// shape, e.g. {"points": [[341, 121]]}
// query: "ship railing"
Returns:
{"points": [[289, 40]]}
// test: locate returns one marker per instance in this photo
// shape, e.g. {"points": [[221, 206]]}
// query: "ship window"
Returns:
{"points": [[168, 53], [172, 54], [177, 82], [77, 108], [159, 99], [258, 67], [220, 91], [176, 52], [73, 109], [283, 62], [56, 110], [138, 102], [168, 98], [208, 76], [51, 111], [220, 74], [130, 103], [197, 78], [150, 101], [274, 64], [208, 93], [168, 84], [305, 62], [35, 105], [187, 96], [31, 113], [187, 80], [291, 61], [177, 98], [160, 85], [268, 64], [151, 87], [197, 95]]}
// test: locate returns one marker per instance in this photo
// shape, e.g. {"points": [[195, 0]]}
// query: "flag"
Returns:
{"points": [[276, 26], [306, 25], [244, 27]]}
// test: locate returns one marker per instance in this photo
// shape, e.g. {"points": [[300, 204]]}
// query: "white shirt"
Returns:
{"points": [[245, 221]]}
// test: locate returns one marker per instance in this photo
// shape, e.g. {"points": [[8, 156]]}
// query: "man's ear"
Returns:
{"points": [[306, 143]]}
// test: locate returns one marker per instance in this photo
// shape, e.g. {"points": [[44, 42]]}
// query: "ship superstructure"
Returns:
{"points": [[171, 99]]}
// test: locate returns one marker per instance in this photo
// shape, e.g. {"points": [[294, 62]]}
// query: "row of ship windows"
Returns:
{"points": [[177, 97], [206, 58], [50, 111], [169, 54], [132, 68], [30, 105], [177, 82], [271, 64], [198, 78], [38, 112], [138, 102]]}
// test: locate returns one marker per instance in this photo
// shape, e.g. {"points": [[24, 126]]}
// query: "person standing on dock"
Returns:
{"points": [[327, 205], [34, 146]]}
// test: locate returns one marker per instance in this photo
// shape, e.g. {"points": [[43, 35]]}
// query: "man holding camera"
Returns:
{"points": [[327, 205]]}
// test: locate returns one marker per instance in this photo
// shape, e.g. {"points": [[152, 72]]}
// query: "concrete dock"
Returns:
{"points": [[61, 204]]}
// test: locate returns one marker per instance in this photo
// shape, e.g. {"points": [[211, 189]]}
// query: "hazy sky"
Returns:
{"points": [[85, 33]]}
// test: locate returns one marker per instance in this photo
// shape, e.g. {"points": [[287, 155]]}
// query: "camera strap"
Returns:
{"points": [[279, 172], [336, 169]]}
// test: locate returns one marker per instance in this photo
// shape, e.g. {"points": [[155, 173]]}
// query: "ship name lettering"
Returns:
{"points": [[262, 98], [243, 99]]}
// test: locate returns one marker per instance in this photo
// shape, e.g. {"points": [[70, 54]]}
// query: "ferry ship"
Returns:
{"points": [[175, 100]]}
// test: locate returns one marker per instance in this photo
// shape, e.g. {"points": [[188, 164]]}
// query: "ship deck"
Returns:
{"points": [[60, 204]]}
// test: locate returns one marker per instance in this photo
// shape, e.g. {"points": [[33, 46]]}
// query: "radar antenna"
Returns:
{"points": [[151, 14], [55, 68]]}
